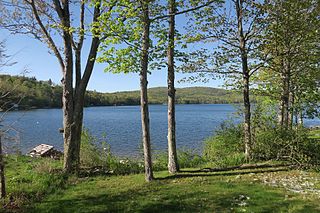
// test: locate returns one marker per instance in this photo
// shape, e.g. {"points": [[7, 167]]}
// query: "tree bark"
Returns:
{"points": [[2, 174], [144, 93], [247, 117], [300, 118], [70, 156], [246, 86], [73, 99], [291, 109], [284, 103], [173, 166]]}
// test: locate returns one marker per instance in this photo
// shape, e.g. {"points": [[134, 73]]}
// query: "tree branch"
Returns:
{"points": [[182, 12], [50, 41], [92, 54]]}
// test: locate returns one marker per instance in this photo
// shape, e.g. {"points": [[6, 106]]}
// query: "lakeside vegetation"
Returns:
{"points": [[266, 49], [39, 185], [31, 93]]}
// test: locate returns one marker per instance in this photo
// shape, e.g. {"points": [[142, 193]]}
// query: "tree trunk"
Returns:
{"points": [[291, 109], [73, 99], [2, 175], [284, 105], [172, 150], [70, 155], [281, 111], [247, 117], [300, 118], [144, 94], [246, 86], [78, 121]]}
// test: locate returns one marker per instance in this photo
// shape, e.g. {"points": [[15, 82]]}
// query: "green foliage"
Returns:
{"points": [[28, 92], [270, 142], [273, 142], [291, 37], [94, 156], [90, 154], [314, 134], [226, 147], [187, 158], [292, 145], [43, 94], [124, 28]]}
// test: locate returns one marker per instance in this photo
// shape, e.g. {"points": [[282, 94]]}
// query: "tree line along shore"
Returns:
{"points": [[30, 93]]}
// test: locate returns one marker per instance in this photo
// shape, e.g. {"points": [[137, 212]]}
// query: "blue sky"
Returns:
{"points": [[34, 55]]}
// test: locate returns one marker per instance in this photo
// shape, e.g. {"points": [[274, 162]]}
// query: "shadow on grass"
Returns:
{"points": [[176, 199], [199, 173], [171, 196]]}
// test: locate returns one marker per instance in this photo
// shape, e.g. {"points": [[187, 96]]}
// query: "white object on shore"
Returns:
{"points": [[44, 150]]}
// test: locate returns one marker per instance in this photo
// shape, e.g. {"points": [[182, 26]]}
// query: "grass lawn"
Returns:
{"points": [[36, 186], [315, 134], [186, 192]]}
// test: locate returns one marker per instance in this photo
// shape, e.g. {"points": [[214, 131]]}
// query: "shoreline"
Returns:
{"points": [[122, 105]]}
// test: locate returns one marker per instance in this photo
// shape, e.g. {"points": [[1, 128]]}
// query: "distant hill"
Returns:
{"points": [[189, 95], [30, 92]]}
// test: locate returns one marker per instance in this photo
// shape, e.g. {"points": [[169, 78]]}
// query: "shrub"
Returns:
{"points": [[92, 155], [186, 159], [226, 147], [292, 145]]}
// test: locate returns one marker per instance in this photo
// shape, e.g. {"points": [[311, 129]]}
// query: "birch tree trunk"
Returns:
{"points": [[172, 150], [144, 93]]}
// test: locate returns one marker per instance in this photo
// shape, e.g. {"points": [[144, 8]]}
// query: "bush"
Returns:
{"points": [[186, 159], [92, 155], [270, 141], [292, 145], [226, 147]]}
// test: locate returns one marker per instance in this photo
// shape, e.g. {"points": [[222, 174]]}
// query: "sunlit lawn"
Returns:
{"points": [[187, 192], [315, 134], [36, 190]]}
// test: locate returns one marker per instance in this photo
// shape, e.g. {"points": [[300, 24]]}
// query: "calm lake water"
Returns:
{"points": [[122, 127]]}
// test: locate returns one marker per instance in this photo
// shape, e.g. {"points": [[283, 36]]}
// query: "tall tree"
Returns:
{"points": [[236, 35], [245, 76], [137, 45], [52, 24], [132, 34], [145, 19], [173, 166], [292, 39]]}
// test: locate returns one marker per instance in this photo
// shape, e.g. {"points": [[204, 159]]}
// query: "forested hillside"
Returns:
{"points": [[29, 92]]}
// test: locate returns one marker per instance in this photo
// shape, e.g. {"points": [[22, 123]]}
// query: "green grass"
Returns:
{"points": [[29, 179], [315, 134], [38, 187], [187, 192]]}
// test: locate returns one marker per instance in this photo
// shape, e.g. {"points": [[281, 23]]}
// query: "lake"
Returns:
{"points": [[122, 126]]}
